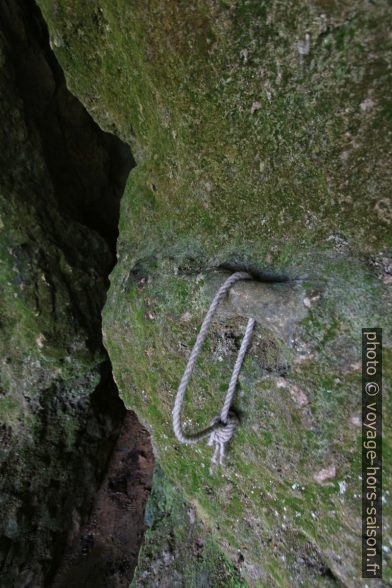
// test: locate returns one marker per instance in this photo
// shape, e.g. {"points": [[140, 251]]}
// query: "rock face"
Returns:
{"points": [[262, 138], [59, 408], [178, 550]]}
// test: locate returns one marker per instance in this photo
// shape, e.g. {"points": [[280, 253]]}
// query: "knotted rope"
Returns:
{"points": [[222, 427]]}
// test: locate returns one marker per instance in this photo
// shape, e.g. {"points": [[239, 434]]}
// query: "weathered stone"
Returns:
{"points": [[263, 136], [59, 409], [278, 307]]}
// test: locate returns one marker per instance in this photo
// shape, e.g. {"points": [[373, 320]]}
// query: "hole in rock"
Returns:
{"points": [[259, 274]]}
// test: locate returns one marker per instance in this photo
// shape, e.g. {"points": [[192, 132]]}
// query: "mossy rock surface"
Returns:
{"points": [[262, 135], [178, 550], [55, 378]]}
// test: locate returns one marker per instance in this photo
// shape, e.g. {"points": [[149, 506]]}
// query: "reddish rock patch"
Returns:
{"points": [[104, 552]]}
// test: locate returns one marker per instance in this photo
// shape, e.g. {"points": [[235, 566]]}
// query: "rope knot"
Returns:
{"points": [[222, 428], [221, 435]]}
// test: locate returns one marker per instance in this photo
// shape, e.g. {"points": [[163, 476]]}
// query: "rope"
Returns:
{"points": [[221, 428]]}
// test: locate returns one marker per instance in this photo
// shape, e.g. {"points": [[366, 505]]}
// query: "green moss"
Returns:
{"points": [[177, 547], [248, 152]]}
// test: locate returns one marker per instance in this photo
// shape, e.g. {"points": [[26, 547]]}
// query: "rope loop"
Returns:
{"points": [[222, 427]]}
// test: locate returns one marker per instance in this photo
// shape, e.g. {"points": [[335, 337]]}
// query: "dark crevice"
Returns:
{"points": [[101, 482], [258, 274], [88, 167], [105, 550]]}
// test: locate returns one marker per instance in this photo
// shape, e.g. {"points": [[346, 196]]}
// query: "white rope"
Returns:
{"points": [[221, 428]]}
